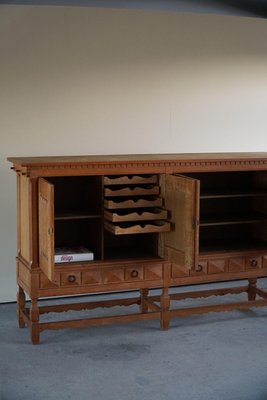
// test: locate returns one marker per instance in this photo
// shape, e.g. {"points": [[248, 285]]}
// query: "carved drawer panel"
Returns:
{"points": [[264, 261], [153, 272], [236, 264], [217, 266], [253, 263], [113, 275], [201, 269], [179, 271], [134, 274], [91, 277], [70, 279]]}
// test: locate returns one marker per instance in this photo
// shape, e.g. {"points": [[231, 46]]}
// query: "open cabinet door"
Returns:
{"points": [[46, 228], [180, 245]]}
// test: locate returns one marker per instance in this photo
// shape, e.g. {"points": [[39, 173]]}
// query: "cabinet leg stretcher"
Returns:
{"points": [[150, 307], [30, 316], [251, 289]]}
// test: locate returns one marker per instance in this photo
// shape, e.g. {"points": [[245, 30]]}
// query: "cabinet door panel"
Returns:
{"points": [[182, 200], [46, 228]]}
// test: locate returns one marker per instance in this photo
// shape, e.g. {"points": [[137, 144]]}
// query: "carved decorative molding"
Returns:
{"points": [[183, 165]]}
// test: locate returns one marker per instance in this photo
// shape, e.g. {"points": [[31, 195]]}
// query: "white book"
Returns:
{"points": [[72, 254]]}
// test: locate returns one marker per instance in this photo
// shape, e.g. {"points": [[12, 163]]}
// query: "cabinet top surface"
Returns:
{"points": [[137, 163], [87, 159]]}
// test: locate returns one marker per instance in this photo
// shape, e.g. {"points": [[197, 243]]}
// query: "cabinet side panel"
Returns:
{"points": [[24, 218]]}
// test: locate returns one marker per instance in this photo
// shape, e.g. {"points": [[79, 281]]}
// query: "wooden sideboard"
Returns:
{"points": [[151, 221]]}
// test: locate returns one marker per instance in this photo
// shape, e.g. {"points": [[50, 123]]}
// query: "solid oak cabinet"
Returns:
{"points": [[150, 221]]}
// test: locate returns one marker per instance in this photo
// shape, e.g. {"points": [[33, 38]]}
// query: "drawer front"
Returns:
{"points": [[105, 276], [153, 272], [70, 279], [91, 277], [178, 271], [217, 266], [133, 274], [113, 275], [252, 263], [264, 261], [201, 269], [236, 264]]}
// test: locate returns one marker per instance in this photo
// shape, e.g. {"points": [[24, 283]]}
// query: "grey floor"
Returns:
{"points": [[217, 356]]}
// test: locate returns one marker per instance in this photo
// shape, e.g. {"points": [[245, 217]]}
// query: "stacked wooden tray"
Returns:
{"points": [[132, 205]]}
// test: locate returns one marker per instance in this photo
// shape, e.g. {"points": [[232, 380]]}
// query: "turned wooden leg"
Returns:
{"points": [[165, 309], [143, 297], [20, 307], [252, 289], [34, 317]]}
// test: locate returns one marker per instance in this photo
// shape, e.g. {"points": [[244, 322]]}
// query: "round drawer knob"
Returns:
{"points": [[71, 278], [134, 273], [253, 262], [199, 268]]}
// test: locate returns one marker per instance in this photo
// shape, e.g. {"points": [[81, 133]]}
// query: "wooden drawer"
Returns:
{"points": [[153, 272], [236, 264], [217, 266], [105, 276], [201, 269], [252, 263], [141, 215], [133, 274], [131, 191], [70, 278], [133, 203], [130, 179], [178, 271], [264, 261], [91, 277], [113, 275], [133, 228]]}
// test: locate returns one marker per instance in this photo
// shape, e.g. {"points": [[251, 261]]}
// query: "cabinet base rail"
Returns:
{"points": [[150, 307], [30, 315], [251, 289]]}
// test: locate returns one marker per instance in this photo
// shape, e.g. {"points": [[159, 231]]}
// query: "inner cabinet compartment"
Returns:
{"points": [[132, 206], [233, 210], [130, 246], [77, 196], [74, 234], [70, 214]]}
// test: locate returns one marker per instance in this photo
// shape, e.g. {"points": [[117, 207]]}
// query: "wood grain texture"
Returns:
{"points": [[181, 198], [46, 229]]}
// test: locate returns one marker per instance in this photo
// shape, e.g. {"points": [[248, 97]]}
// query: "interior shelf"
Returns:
{"points": [[76, 215], [227, 245], [233, 220], [209, 194]]}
